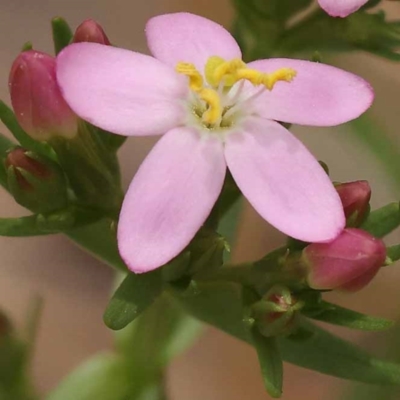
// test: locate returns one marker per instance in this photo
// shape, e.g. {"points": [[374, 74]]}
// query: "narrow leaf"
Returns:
{"points": [[62, 33], [337, 315], [326, 353], [220, 304], [133, 296], [8, 118], [382, 221], [23, 226], [270, 360]]}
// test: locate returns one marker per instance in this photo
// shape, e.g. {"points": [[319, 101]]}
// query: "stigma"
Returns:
{"points": [[213, 105]]}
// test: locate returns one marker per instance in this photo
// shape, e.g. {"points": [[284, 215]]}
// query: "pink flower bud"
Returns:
{"points": [[347, 263], [36, 98], [355, 198], [90, 31]]}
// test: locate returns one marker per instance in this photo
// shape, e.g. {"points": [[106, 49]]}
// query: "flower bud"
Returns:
{"points": [[90, 31], [347, 263], [35, 182], [275, 314], [36, 98], [355, 198]]}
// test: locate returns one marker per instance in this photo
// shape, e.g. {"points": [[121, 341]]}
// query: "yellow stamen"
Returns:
{"points": [[218, 70], [195, 78], [266, 79], [214, 111]]}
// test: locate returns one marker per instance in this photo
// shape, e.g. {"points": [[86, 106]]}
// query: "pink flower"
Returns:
{"points": [[223, 118], [36, 98], [348, 263], [341, 8]]}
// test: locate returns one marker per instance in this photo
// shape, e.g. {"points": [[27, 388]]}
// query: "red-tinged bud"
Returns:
{"points": [[355, 198], [347, 263], [36, 98], [90, 31], [275, 314], [35, 182]]}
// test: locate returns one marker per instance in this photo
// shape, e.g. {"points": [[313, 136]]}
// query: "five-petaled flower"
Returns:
{"points": [[215, 112], [341, 8]]}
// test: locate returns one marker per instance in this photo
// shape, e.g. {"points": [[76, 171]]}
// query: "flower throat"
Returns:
{"points": [[211, 107]]}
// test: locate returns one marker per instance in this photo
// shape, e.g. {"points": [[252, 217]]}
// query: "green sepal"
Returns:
{"points": [[5, 145], [40, 194], [382, 221], [62, 33], [336, 315], [393, 253], [133, 296], [176, 268], [270, 359], [220, 304], [112, 141], [27, 46], [8, 118]]}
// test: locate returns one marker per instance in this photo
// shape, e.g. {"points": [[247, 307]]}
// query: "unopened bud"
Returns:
{"points": [[36, 183], [36, 98], [355, 198], [275, 314], [90, 31], [347, 263]]}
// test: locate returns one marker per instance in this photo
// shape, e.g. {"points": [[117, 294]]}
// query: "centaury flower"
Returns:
{"points": [[341, 8], [215, 112]]}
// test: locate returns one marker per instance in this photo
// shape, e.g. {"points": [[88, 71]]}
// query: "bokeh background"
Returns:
{"points": [[76, 287]]}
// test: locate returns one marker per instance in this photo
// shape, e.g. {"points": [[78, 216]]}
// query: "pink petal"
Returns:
{"points": [[170, 197], [121, 91], [341, 8], [284, 182], [319, 95], [184, 37]]}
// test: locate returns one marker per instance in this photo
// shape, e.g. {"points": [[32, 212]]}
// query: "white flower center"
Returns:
{"points": [[220, 103]]}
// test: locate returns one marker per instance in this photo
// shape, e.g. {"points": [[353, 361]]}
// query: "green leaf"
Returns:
{"points": [[331, 355], [382, 221], [23, 226], [393, 252], [104, 377], [27, 46], [337, 315], [62, 33], [133, 296], [8, 118], [99, 239], [220, 304], [270, 360]]}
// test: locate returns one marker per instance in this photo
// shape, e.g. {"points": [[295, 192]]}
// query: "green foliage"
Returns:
{"points": [[62, 33], [134, 295], [382, 221], [336, 315]]}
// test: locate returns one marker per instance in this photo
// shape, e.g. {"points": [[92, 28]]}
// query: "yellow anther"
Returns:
{"points": [[266, 79], [218, 70], [195, 78], [282, 74], [214, 110]]}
